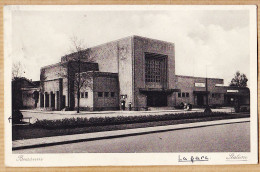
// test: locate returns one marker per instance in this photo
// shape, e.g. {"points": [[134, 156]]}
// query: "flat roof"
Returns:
{"points": [[117, 40], [183, 76], [52, 65], [97, 73]]}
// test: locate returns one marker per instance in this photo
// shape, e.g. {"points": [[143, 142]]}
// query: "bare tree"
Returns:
{"points": [[42, 79], [17, 70], [80, 54]]}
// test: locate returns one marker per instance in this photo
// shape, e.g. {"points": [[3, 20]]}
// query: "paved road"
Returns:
{"points": [[219, 138]]}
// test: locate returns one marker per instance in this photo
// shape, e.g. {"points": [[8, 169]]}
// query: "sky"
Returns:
{"points": [[212, 43]]}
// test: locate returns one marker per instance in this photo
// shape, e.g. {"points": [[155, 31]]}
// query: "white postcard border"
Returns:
{"points": [[114, 159]]}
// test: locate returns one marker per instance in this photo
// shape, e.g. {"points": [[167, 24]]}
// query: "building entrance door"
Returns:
{"points": [[230, 100], [52, 100], [200, 99], [156, 99]]}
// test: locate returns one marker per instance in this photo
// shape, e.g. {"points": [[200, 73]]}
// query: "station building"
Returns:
{"points": [[133, 72]]}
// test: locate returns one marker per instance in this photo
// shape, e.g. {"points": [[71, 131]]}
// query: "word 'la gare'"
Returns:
{"points": [[192, 158]]}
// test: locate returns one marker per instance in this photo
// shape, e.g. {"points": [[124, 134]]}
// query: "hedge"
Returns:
{"points": [[95, 121]]}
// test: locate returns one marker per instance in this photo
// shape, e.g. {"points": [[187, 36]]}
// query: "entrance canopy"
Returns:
{"points": [[201, 92], [148, 90], [157, 97], [236, 94]]}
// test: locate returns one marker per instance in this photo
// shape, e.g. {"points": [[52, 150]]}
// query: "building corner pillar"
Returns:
{"points": [[56, 100]]}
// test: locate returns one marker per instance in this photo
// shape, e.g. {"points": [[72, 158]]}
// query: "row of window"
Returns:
{"points": [[216, 95], [183, 94], [106, 94], [100, 94], [83, 94]]}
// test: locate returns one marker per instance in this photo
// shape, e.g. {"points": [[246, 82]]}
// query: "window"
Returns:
{"points": [[100, 94], [112, 94], [81, 94], [106, 94], [154, 68], [86, 94], [185, 94], [216, 95]]}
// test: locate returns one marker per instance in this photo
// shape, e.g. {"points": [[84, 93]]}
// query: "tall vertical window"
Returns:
{"points": [[152, 70], [81, 94], [112, 94], [154, 67], [100, 94]]}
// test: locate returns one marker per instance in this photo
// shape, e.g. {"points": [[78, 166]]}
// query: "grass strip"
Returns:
{"points": [[34, 131]]}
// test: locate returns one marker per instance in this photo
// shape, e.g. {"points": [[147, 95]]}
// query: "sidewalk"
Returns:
{"points": [[102, 112], [56, 140], [54, 115], [224, 109]]}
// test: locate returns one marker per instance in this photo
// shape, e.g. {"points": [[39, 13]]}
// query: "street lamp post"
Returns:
{"points": [[207, 109], [207, 97]]}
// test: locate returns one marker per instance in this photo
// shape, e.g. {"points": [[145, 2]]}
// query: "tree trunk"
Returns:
{"points": [[78, 84], [78, 100]]}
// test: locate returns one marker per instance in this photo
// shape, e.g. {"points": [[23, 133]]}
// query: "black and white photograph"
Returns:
{"points": [[130, 85]]}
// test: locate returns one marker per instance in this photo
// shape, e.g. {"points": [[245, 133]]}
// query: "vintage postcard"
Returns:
{"points": [[130, 85]]}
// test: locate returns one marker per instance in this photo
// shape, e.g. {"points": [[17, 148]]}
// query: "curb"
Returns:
{"points": [[119, 133], [106, 112]]}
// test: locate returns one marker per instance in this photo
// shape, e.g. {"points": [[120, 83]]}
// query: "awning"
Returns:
{"points": [[145, 90], [29, 89], [236, 94], [201, 92]]}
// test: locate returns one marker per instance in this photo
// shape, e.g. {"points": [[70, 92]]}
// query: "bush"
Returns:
{"points": [[180, 106], [96, 121], [17, 116], [245, 108]]}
